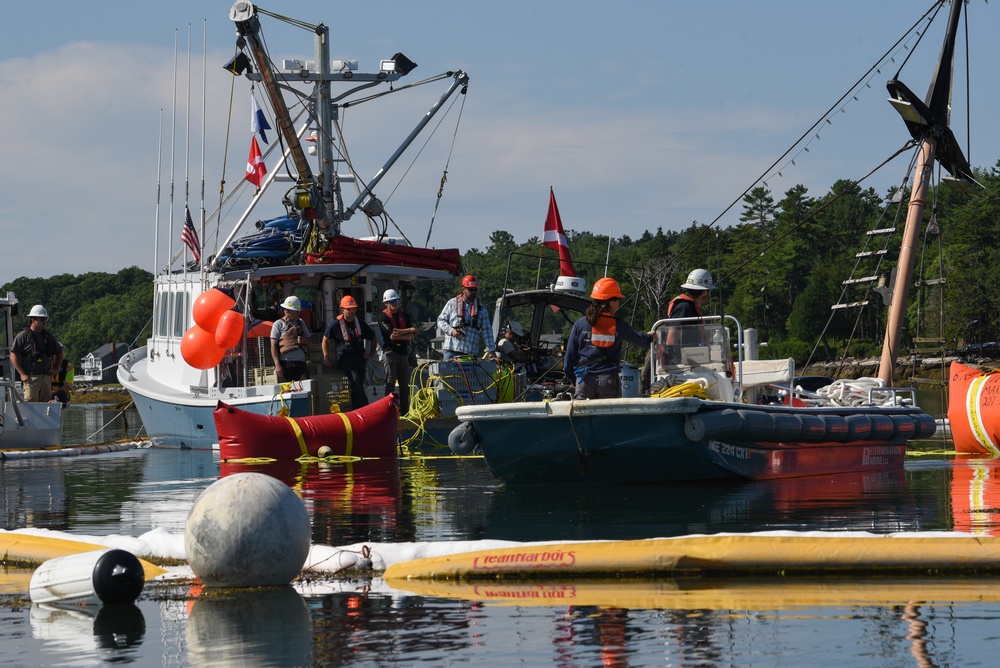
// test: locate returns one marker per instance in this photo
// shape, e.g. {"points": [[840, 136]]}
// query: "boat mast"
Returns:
{"points": [[244, 15], [322, 194], [927, 122]]}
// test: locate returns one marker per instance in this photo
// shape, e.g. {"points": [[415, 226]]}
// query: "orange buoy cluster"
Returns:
{"points": [[974, 410], [217, 328]]}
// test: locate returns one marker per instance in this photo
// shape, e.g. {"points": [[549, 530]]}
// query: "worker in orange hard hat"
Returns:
{"points": [[346, 336], [593, 350], [465, 323]]}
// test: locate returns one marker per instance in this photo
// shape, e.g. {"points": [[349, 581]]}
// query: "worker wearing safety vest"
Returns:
{"points": [[346, 338], [695, 292], [593, 351]]}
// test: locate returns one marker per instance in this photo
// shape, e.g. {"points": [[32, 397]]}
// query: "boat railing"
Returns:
{"points": [[700, 344], [8, 394], [892, 396]]}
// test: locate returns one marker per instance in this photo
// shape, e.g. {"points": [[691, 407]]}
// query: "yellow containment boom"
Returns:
{"points": [[26, 549], [716, 593], [724, 553]]}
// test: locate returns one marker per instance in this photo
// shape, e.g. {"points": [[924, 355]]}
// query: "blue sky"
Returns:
{"points": [[640, 115]]}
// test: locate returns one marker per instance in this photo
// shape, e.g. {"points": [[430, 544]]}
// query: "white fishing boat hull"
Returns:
{"points": [[173, 417]]}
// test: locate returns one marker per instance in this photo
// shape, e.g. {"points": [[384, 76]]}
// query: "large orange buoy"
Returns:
{"points": [[199, 349], [209, 307], [974, 409], [229, 330]]}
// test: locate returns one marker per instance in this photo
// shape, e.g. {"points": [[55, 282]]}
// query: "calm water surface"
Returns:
{"points": [[694, 622]]}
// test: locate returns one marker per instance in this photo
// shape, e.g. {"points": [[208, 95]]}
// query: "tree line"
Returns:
{"points": [[786, 264], [779, 270], [89, 310]]}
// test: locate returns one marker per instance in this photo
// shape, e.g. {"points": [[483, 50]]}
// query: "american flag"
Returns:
{"points": [[189, 236]]}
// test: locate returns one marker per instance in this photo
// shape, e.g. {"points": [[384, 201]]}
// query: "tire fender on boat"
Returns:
{"points": [[713, 424], [463, 439]]}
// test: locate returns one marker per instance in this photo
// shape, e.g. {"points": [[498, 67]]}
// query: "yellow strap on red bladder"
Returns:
{"points": [[976, 422], [348, 434], [298, 434]]}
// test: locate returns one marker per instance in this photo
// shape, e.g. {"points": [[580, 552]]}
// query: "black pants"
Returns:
{"points": [[599, 386], [397, 368], [293, 371], [356, 370]]}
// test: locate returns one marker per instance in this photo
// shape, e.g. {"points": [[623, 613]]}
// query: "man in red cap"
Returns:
{"points": [[465, 323]]}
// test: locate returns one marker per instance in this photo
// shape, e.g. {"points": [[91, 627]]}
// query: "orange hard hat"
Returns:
{"points": [[348, 302], [605, 289], [470, 282]]}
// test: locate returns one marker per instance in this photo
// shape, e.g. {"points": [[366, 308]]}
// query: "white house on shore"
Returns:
{"points": [[100, 366]]}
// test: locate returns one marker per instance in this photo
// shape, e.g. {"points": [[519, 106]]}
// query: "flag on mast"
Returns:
{"points": [[555, 238], [189, 236], [258, 122], [256, 169]]}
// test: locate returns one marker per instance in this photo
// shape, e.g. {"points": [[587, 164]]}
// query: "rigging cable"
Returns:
{"points": [[444, 175], [822, 334], [820, 210], [824, 118]]}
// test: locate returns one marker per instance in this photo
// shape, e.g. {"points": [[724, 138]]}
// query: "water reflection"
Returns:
{"points": [[710, 621], [975, 496], [260, 627], [109, 630], [348, 502], [877, 501], [95, 423]]}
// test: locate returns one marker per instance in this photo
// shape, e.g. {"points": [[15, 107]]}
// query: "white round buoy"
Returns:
{"points": [[324, 451], [106, 576], [247, 530]]}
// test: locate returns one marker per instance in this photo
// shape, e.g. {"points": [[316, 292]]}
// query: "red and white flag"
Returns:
{"points": [[256, 169], [555, 238]]}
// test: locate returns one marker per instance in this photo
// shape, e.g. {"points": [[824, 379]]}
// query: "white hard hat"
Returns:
{"points": [[38, 311], [390, 296], [291, 303], [699, 279]]}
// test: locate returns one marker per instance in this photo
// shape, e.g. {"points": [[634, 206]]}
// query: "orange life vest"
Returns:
{"points": [[398, 320], [603, 332], [685, 298], [346, 333]]}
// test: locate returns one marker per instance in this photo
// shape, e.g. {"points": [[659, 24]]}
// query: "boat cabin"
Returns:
{"points": [[540, 322]]}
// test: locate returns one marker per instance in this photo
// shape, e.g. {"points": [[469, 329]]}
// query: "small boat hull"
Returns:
{"points": [[663, 440], [371, 431], [41, 426]]}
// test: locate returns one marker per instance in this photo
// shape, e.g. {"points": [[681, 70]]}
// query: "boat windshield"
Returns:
{"points": [[691, 346]]}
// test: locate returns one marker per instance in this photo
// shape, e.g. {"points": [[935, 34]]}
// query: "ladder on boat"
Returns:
{"points": [[870, 275]]}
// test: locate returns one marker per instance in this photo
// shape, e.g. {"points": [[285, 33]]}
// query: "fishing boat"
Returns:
{"points": [[212, 316], [23, 424], [370, 431], [698, 425]]}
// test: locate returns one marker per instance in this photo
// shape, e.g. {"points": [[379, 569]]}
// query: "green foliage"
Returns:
{"points": [[779, 270], [89, 310]]}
